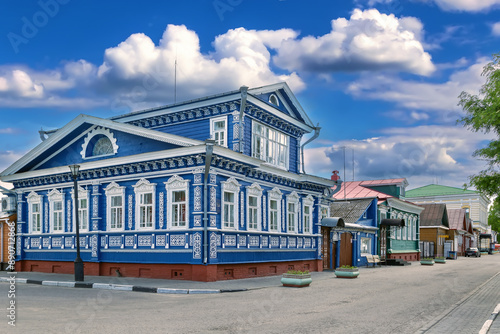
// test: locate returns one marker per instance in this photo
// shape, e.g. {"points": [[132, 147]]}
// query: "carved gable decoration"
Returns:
{"points": [[99, 142]]}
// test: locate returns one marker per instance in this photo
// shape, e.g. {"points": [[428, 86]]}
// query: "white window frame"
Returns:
{"points": [[404, 232], [34, 198], [325, 211], [174, 184], [274, 195], [56, 196], [292, 198], [83, 225], [212, 130], [415, 229], [255, 191], [141, 188], [114, 190], [368, 241], [309, 203], [230, 186], [392, 234], [270, 144]]}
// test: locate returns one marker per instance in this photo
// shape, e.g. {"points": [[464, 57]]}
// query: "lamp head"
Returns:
{"points": [[74, 170]]}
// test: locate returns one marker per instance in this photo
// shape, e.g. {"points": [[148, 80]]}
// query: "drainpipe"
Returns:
{"points": [[317, 129], [243, 90], [208, 160]]}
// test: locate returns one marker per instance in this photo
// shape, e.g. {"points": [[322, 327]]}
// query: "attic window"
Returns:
{"points": [[274, 100], [99, 142]]}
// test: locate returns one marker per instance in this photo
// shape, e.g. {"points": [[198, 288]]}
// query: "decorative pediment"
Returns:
{"points": [[34, 197], [309, 200], [255, 190], [99, 142], [275, 193], [231, 185], [176, 182], [293, 197], [114, 189], [144, 185], [55, 195]]}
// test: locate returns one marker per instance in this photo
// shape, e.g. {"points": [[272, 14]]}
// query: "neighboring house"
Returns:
{"points": [[398, 220], [461, 231], [474, 203], [434, 231], [357, 237], [156, 199], [7, 228]]}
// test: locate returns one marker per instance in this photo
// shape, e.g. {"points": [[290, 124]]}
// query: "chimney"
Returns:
{"points": [[335, 177]]}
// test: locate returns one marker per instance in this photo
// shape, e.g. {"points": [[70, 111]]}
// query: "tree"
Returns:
{"points": [[483, 114]]}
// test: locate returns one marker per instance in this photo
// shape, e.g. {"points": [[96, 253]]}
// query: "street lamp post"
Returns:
{"points": [[78, 261]]}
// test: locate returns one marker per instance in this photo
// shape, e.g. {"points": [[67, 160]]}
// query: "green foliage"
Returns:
{"points": [[348, 267], [297, 272], [483, 114], [427, 259], [494, 215], [440, 258]]}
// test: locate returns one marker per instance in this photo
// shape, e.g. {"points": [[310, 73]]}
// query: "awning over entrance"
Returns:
{"points": [[392, 222], [332, 222]]}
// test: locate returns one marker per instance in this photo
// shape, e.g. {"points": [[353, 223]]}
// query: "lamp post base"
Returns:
{"points": [[78, 270]]}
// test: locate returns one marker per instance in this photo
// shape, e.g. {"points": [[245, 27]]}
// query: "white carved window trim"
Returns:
{"points": [[55, 196], [255, 191], [83, 225], [34, 198], [114, 190], [399, 234], [230, 186], [99, 131], [176, 183], [292, 198], [143, 187], [274, 195], [213, 132], [415, 229], [392, 234], [307, 202]]}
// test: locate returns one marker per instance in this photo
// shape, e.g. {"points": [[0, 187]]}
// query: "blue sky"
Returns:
{"points": [[381, 77]]}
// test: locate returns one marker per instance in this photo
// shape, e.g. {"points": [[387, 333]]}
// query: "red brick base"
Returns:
{"points": [[405, 256], [208, 273]]}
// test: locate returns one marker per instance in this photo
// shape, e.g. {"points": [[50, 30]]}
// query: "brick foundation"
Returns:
{"points": [[208, 273], [405, 256]]}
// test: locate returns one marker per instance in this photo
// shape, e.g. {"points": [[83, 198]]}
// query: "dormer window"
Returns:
{"points": [[218, 130], [273, 99], [99, 142]]}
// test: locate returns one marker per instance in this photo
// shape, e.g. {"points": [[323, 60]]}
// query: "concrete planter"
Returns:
{"points": [[440, 260], [346, 272], [296, 280], [427, 262]]}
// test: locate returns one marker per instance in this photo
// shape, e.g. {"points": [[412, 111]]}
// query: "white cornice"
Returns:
{"points": [[404, 206]]}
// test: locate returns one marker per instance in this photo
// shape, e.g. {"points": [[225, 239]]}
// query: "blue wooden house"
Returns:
{"points": [[157, 199]]}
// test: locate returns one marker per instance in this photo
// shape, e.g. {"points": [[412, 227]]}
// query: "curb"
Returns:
{"points": [[121, 287]]}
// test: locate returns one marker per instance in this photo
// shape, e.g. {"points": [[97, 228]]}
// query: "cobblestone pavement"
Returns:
{"points": [[468, 315]]}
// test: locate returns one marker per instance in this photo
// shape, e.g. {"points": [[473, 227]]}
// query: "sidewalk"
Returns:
{"points": [[151, 284]]}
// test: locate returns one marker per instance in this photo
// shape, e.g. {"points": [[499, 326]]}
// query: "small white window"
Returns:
{"points": [[274, 100], [230, 191], [218, 130], [292, 204], [178, 201], [274, 209], [83, 216], [115, 206], [366, 246], [307, 210], [145, 204], [254, 199], [56, 200]]}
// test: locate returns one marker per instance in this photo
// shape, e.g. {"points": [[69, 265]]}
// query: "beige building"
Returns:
{"points": [[474, 203]]}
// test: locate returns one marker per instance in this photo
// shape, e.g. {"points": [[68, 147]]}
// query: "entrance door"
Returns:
{"points": [[345, 249], [325, 232], [383, 242]]}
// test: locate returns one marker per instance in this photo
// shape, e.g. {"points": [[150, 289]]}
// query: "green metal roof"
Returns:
{"points": [[437, 190]]}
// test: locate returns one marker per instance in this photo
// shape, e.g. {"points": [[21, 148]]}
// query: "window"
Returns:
{"points": [[35, 212], [269, 145], [415, 229], [274, 100], [83, 209], [144, 204], [467, 211], [230, 192], [56, 200], [99, 142], [115, 206], [307, 214], [179, 208], [366, 246], [292, 204], [218, 130], [102, 146], [254, 200], [178, 202], [274, 209], [325, 211]]}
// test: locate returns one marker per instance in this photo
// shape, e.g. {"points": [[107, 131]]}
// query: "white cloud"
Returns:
{"points": [[421, 96], [7, 158], [420, 154], [495, 29], [368, 40], [467, 5]]}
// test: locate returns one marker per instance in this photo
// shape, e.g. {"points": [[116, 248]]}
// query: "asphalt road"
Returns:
{"points": [[380, 300]]}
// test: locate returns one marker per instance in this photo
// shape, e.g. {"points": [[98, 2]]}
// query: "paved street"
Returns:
{"points": [[457, 297]]}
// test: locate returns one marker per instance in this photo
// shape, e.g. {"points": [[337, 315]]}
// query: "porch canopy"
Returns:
{"points": [[392, 222], [332, 222]]}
